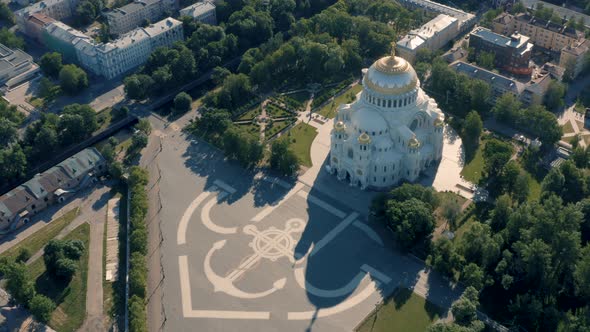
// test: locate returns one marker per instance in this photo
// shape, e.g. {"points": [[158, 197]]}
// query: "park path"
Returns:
{"points": [[94, 321]]}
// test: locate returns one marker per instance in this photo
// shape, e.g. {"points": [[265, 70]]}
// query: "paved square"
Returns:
{"points": [[246, 253]]}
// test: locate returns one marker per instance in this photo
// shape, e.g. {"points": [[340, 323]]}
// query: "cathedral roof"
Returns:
{"points": [[367, 120], [391, 75]]}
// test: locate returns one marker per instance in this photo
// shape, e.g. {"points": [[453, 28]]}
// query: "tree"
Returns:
{"points": [[119, 113], [506, 108], [137, 275], [10, 40], [496, 154], [137, 315], [472, 129], [411, 221], [554, 95], [579, 156], [451, 209], [19, 283], [182, 103], [88, 115], [7, 132], [220, 73], [283, 159], [144, 126], [41, 307], [486, 60], [13, 163], [480, 95], [582, 274], [553, 181], [6, 14], [47, 90], [473, 276], [138, 86], [444, 257], [465, 309], [60, 257], [521, 188], [72, 79], [23, 255], [51, 64]]}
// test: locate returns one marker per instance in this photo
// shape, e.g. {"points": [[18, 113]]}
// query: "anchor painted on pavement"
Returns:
{"points": [[271, 244]]}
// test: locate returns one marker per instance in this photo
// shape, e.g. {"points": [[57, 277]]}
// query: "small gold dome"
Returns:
{"points": [[438, 122], [339, 126], [364, 138], [414, 143]]}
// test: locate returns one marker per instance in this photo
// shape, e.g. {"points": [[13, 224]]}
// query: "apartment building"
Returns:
{"points": [[542, 33], [512, 53], [61, 38], [138, 13], [529, 93], [50, 187], [203, 12], [133, 49], [466, 20], [432, 36], [55, 9], [16, 66], [574, 56]]}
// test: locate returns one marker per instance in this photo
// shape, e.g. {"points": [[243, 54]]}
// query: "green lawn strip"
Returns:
{"points": [[103, 118], [276, 127], [329, 110], [568, 127], [534, 189], [38, 240], [276, 111], [250, 128], [404, 311], [250, 114], [473, 170], [301, 136], [69, 298]]}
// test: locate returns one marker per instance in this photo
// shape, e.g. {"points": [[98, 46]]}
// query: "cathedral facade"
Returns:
{"points": [[390, 133]]}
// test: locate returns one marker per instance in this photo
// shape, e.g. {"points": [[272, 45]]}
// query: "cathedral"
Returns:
{"points": [[390, 133]]}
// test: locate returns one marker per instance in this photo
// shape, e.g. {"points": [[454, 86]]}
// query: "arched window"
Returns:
{"points": [[389, 103], [384, 168]]}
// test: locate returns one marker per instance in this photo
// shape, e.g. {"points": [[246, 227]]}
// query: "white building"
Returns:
{"points": [[203, 12], [135, 14], [432, 36], [466, 20], [133, 49], [391, 133]]}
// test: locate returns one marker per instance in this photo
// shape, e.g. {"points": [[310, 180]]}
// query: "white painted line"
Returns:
{"points": [[268, 210], [376, 273], [369, 231], [338, 292], [183, 225], [206, 217], [187, 306], [185, 286], [330, 208], [226, 314], [225, 186], [334, 232], [349, 303]]}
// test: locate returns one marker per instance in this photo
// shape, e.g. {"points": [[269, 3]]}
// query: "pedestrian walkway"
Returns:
{"points": [[575, 120], [112, 247]]}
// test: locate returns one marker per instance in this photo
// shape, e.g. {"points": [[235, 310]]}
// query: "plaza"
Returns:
{"points": [[256, 253]]}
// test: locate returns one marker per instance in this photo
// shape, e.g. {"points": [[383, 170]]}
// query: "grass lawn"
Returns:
{"points": [[404, 311], [534, 189], [70, 298], [251, 128], [443, 198], [329, 110], [38, 240], [249, 115], [473, 170], [567, 128], [276, 127], [301, 136], [276, 111]]}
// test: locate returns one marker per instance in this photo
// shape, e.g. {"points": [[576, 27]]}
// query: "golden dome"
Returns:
{"points": [[414, 143], [391, 75], [339, 126], [364, 138]]}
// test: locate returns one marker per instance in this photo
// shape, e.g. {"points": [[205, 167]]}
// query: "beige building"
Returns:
{"points": [[574, 57], [135, 14], [542, 33], [55, 9], [432, 36], [50, 187]]}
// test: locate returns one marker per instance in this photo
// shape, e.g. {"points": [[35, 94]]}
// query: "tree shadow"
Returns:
{"points": [[208, 162], [103, 200], [52, 287]]}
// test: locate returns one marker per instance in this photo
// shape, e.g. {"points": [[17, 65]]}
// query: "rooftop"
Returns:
{"points": [[198, 8], [488, 76], [131, 8], [41, 19], [37, 7], [514, 41], [64, 32], [12, 58], [140, 34], [444, 9], [417, 37]]}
